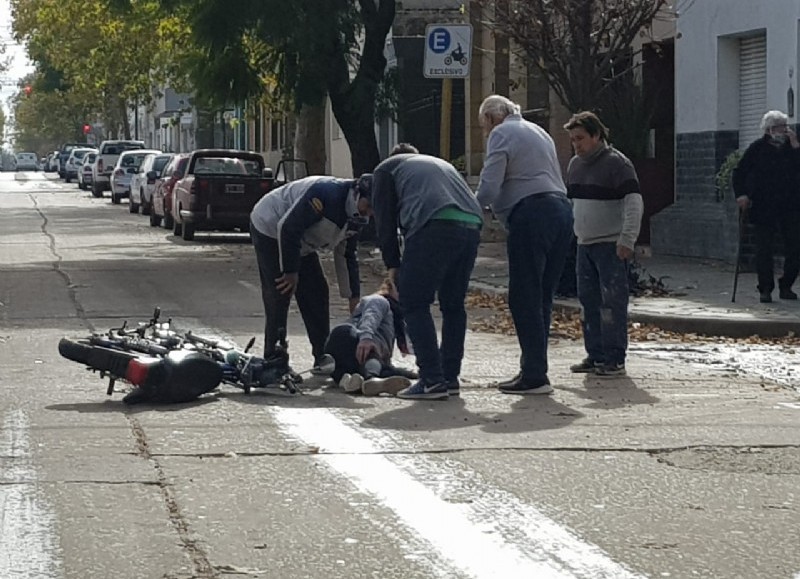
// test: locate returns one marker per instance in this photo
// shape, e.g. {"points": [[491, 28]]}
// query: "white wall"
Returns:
{"points": [[703, 99]]}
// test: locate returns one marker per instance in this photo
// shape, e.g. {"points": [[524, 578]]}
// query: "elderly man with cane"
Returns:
{"points": [[767, 184]]}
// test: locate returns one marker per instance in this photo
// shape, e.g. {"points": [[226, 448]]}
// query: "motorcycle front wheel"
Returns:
{"points": [[75, 350]]}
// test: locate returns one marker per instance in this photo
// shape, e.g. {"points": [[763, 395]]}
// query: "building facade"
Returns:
{"points": [[735, 60]]}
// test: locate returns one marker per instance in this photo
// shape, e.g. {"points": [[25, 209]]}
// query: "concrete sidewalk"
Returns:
{"points": [[699, 300]]}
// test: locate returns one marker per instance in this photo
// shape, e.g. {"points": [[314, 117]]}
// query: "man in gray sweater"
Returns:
{"points": [[521, 181], [440, 221], [607, 205]]}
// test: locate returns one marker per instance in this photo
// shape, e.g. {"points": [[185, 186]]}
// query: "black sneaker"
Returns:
{"points": [[786, 293], [610, 371], [523, 387], [765, 297], [510, 381], [453, 387], [421, 390], [585, 366]]}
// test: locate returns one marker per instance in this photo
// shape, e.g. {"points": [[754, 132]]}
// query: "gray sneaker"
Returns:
{"points": [[610, 371], [389, 385]]}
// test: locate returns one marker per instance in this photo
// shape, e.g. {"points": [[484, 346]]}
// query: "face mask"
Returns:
{"points": [[779, 138]]}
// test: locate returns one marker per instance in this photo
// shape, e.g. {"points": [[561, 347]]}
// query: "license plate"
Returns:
{"points": [[234, 188]]}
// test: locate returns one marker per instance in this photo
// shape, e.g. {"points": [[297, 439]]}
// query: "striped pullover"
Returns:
{"points": [[606, 200]]}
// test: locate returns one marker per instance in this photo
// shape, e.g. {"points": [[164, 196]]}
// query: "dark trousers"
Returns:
{"points": [[789, 226], [438, 260], [311, 295], [603, 293], [341, 344], [539, 235]]}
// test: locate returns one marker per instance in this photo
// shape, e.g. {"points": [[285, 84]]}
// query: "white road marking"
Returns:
{"points": [[495, 535], [251, 286], [793, 406], [27, 546]]}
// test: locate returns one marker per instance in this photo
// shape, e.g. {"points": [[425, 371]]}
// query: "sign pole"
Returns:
{"points": [[444, 125]]}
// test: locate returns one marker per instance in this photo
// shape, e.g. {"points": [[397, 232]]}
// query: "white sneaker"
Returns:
{"points": [[389, 385], [352, 384]]}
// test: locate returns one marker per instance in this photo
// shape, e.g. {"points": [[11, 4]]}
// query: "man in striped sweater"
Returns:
{"points": [[607, 206]]}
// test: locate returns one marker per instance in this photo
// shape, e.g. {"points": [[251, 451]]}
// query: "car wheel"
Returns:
{"points": [[155, 219], [67, 179], [133, 207], [145, 204], [97, 191], [115, 199], [188, 231], [168, 221], [177, 228]]}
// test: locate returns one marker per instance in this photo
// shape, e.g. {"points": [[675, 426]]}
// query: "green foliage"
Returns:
{"points": [[104, 55], [387, 97], [724, 177]]}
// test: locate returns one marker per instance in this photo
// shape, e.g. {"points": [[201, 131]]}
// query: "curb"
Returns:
{"points": [[701, 325]]}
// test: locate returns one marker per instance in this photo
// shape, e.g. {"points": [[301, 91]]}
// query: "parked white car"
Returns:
{"points": [[107, 155], [27, 162], [143, 181], [85, 170], [127, 165], [74, 161]]}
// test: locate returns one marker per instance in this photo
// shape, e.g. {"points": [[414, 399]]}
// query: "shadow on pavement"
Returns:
{"points": [[532, 413], [427, 415], [120, 407], [609, 394]]}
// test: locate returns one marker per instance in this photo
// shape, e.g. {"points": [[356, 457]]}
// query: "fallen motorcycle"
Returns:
{"points": [[168, 366]]}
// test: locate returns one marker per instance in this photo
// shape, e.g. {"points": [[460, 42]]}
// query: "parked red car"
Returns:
{"points": [[162, 193], [218, 191]]}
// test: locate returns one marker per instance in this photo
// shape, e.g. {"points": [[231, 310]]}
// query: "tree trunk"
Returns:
{"points": [[310, 137], [353, 102]]}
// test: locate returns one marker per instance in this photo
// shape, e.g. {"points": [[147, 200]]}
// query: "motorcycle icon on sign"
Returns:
{"points": [[456, 56]]}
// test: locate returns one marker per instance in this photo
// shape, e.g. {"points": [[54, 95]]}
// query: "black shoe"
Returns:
{"points": [[525, 387], [453, 387], [766, 298], [585, 366], [787, 294], [510, 381]]}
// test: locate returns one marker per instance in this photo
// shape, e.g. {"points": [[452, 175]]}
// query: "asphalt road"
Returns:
{"points": [[680, 470]]}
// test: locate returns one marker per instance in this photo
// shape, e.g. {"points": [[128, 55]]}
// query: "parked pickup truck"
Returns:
{"points": [[220, 188]]}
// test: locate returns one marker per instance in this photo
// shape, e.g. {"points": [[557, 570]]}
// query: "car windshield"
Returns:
{"points": [[132, 160], [118, 148], [219, 166], [160, 162]]}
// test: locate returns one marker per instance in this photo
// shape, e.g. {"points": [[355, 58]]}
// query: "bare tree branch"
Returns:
{"points": [[576, 44]]}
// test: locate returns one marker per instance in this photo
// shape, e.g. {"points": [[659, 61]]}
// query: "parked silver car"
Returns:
{"points": [[74, 161], [127, 165], [85, 170], [143, 181]]}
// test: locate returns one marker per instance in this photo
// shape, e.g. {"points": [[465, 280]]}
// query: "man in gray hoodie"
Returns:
{"points": [[607, 205]]}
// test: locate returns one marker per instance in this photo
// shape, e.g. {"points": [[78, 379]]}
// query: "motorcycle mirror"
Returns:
{"points": [[250, 344]]}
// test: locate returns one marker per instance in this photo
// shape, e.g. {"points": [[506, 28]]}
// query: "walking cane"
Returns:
{"points": [[738, 254]]}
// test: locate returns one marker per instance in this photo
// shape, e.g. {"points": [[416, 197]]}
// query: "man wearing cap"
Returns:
{"points": [[440, 222], [288, 226]]}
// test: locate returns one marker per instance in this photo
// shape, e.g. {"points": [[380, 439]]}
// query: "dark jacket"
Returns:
{"points": [[770, 177]]}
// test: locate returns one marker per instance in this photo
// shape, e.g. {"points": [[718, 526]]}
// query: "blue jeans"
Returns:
{"points": [[603, 293], [539, 236], [437, 260]]}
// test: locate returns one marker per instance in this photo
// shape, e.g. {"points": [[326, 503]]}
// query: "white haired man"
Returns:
{"points": [[521, 181], [767, 184]]}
